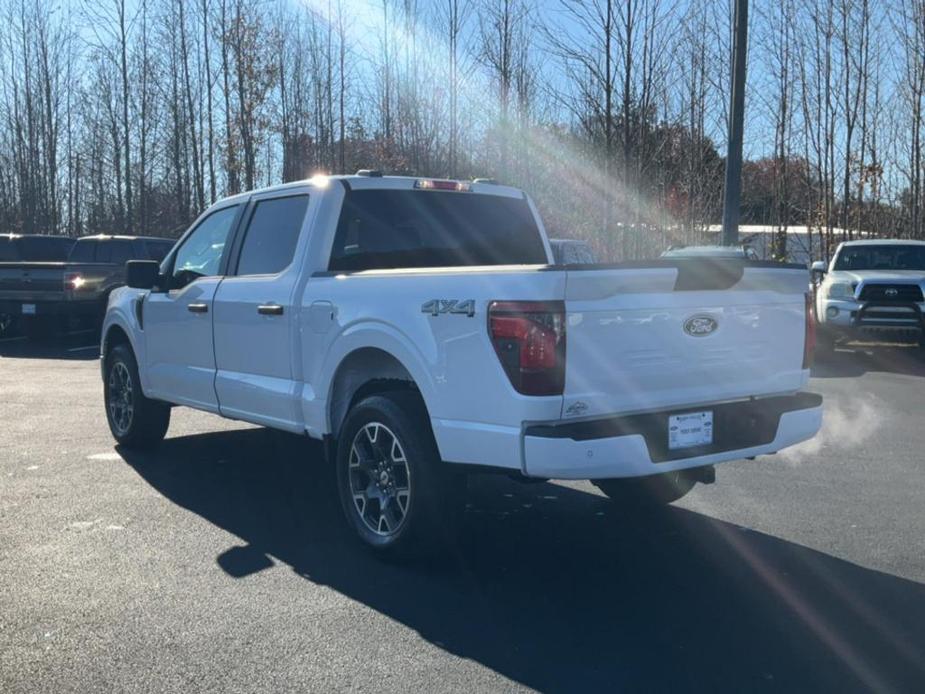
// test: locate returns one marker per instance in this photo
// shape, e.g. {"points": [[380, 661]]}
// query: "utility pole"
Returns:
{"points": [[733, 190]]}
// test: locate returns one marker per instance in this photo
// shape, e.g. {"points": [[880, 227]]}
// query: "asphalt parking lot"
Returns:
{"points": [[220, 562]]}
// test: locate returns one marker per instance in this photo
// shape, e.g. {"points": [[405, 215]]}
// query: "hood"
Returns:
{"points": [[866, 276]]}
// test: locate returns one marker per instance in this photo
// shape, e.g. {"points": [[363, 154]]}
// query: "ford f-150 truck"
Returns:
{"points": [[420, 329], [27, 248], [872, 288], [48, 291]]}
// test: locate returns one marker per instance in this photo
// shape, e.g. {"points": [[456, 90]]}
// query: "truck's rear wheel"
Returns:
{"points": [[642, 492], [397, 495], [134, 420]]}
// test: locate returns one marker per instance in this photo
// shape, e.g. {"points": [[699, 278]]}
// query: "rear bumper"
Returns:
{"points": [[57, 307], [636, 445]]}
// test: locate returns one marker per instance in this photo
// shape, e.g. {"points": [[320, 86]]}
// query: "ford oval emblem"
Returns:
{"points": [[700, 326]]}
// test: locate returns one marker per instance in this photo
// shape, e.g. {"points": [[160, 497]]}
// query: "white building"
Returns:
{"points": [[802, 246]]}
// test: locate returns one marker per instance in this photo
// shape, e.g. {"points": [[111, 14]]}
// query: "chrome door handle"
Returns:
{"points": [[270, 310], [197, 308]]}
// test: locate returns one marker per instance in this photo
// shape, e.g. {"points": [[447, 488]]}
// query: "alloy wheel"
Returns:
{"points": [[379, 479], [121, 400]]}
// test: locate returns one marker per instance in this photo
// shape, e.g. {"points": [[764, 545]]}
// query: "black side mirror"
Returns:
{"points": [[142, 274]]}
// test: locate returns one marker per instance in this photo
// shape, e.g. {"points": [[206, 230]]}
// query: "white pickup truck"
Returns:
{"points": [[871, 288], [418, 327]]}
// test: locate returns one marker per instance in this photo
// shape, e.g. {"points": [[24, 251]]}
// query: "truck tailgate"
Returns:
{"points": [[681, 334], [28, 281]]}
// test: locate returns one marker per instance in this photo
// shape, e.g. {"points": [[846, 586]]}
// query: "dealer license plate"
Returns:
{"points": [[690, 429], [28, 309]]}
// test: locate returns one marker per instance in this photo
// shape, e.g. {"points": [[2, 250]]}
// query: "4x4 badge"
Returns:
{"points": [[435, 307]]}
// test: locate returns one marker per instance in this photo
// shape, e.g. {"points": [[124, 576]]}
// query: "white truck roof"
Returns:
{"points": [[883, 242]]}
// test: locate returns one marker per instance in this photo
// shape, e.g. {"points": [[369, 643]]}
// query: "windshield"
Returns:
{"points": [[885, 257]]}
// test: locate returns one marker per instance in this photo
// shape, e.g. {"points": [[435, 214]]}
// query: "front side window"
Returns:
{"points": [[272, 235], [201, 252], [384, 229], [84, 251], [158, 250]]}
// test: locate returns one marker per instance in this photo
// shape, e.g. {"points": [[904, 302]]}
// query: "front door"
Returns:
{"points": [[179, 354], [255, 325]]}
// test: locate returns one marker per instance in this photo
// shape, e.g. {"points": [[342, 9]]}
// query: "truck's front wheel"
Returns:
{"points": [[397, 495], [134, 420]]}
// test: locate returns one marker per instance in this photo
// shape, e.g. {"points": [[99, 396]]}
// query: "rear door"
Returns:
{"points": [[179, 356], [682, 333], [255, 324]]}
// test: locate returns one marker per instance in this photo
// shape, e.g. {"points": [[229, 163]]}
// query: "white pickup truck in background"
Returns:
{"points": [[872, 288], [418, 327]]}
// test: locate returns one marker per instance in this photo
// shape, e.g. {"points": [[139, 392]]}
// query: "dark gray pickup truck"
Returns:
{"points": [[45, 295]]}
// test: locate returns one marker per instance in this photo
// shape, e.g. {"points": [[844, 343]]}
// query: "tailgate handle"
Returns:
{"points": [[270, 310], [197, 308]]}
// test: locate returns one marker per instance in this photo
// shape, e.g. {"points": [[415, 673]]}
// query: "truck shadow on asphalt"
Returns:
{"points": [[79, 345], [550, 588], [857, 360]]}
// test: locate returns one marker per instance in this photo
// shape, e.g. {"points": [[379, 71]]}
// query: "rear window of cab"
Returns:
{"points": [[390, 229]]}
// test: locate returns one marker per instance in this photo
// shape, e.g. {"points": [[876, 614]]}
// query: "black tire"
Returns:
{"points": [[367, 466], [635, 493], [134, 420]]}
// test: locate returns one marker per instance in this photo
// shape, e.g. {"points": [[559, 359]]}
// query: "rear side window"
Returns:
{"points": [[83, 252], [121, 251], [158, 250], [383, 229], [103, 252], [272, 235], [47, 249]]}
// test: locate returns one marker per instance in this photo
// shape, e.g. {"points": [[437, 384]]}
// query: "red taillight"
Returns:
{"points": [[809, 340], [73, 281], [529, 338]]}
